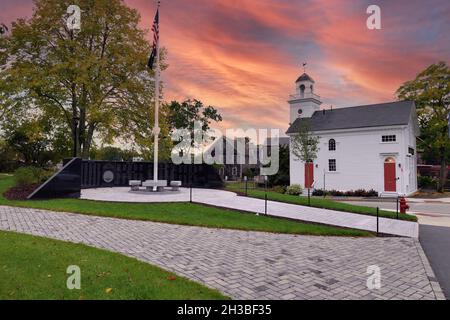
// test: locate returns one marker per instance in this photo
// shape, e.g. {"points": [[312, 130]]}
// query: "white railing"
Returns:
{"points": [[304, 96]]}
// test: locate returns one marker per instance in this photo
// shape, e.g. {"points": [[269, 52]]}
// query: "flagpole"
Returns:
{"points": [[156, 127]]}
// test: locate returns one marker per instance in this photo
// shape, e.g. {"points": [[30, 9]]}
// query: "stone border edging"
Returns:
{"points": [[430, 273]]}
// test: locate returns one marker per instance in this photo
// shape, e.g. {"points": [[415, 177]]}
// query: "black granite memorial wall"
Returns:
{"points": [[95, 174], [66, 183], [78, 174]]}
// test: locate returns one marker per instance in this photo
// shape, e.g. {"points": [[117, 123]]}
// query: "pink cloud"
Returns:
{"points": [[244, 56]]}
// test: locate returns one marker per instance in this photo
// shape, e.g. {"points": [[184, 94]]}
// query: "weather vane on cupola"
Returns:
{"points": [[304, 67]]}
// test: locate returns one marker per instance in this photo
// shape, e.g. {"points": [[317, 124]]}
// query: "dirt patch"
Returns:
{"points": [[20, 192], [424, 194]]}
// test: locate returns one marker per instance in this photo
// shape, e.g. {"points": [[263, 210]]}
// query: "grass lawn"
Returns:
{"points": [[318, 202], [35, 268], [179, 213]]}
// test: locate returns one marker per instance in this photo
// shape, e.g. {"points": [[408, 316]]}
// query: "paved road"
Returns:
{"points": [[231, 200], [436, 244], [248, 265], [426, 207]]}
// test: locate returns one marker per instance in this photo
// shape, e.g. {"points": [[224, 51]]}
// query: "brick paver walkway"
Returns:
{"points": [[248, 265]]}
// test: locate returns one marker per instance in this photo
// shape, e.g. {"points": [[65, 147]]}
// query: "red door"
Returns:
{"points": [[390, 180], [309, 174]]}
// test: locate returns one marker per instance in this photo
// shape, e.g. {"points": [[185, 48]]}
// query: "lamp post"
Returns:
{"points": [[75, 133], [378, 218]]}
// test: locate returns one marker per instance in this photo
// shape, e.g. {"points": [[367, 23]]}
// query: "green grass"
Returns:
{"points": [[318, 202], [35, 268], [179, 213]]}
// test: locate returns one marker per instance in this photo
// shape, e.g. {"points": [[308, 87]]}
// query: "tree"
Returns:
{"points": [[282, 177], [92, 83], [184, 115], [30, 141], [113, 154], [305, 146], [430, 91], [9, 159]]}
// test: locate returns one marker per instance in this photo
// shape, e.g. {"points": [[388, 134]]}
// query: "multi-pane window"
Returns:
{"points": [[332, 145], [389, 138], [331, 164]]}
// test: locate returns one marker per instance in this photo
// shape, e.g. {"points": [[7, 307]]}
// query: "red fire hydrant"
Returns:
{"points": [[403, 205]]}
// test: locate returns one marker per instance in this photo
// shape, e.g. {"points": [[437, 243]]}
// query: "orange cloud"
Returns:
{"points": [[243, 56]]}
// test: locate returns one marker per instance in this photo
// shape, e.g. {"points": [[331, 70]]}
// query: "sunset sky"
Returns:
{"points": [[243, 56]]}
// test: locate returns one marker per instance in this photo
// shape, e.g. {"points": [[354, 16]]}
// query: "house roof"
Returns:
{"points": [[305, 77], [374, 115]]}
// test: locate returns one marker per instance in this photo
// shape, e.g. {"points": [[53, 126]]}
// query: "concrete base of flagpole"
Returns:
{"points": [[155, 186]]}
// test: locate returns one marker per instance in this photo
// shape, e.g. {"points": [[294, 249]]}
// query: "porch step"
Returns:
{"points": [[389, 195]]}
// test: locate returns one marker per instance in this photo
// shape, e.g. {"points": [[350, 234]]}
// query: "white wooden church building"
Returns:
{"points": [[362, 147]]}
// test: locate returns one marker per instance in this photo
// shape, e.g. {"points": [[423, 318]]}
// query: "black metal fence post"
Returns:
{"points": [[190, 187], [265, 205], [378, 218], [397, 207], [309, 197], [246, 185], [265, 195]]}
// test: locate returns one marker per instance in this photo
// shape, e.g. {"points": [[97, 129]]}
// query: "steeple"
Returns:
{"points": [[304, 102]]}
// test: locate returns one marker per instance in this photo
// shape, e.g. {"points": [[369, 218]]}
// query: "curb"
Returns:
{"points": [[435, 286]]}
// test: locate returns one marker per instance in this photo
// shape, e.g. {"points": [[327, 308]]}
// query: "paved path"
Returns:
{"points": [[436, 244], [248, 265], [231, 200], [426, 207]]}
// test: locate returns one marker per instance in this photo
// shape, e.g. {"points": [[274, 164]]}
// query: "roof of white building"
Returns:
{"points": [[374, 115], [305, 77]]}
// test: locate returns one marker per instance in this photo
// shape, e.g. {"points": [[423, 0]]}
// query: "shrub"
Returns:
{"points": [[319, 193], [372, 193], [294, 189], [31, 175], [337, 193], [350, 193], [279, 189], [24, 176], [359, 193], [427, 182]]}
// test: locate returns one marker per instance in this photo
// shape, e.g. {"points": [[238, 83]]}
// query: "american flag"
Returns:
{"points": [[155, 29]]}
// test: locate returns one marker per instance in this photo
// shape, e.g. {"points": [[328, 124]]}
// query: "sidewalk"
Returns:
{"points": [[310, 214], [430, 200], [231, 200]]}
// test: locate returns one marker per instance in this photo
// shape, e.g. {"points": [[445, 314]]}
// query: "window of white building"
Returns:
{"points": [[332, 145], [332, 165], [389, 138]]}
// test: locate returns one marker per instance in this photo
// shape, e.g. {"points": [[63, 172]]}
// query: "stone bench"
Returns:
{"points": [[135, 184], [150, 184], [175, 185]]}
